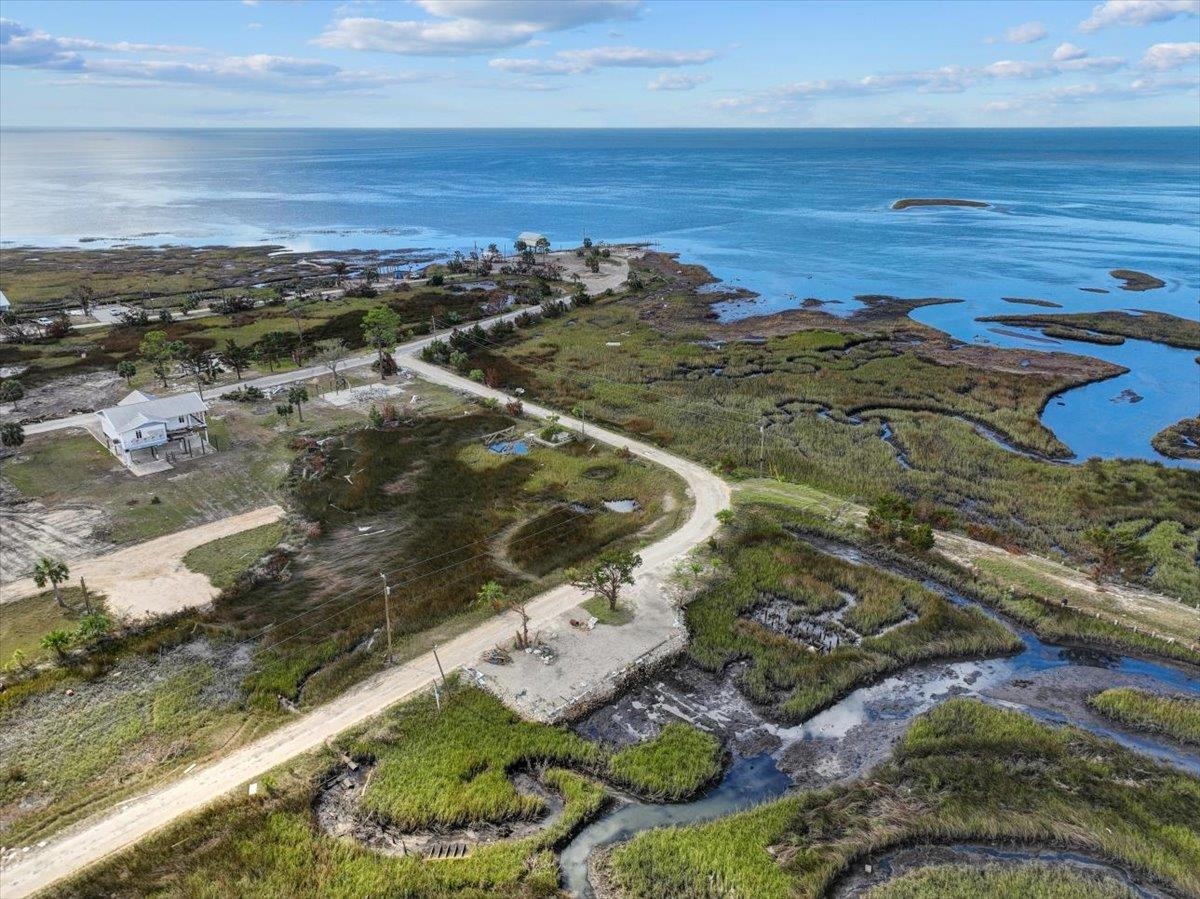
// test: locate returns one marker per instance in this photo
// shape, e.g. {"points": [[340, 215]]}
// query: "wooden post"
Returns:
{"points": [[387, 615]]}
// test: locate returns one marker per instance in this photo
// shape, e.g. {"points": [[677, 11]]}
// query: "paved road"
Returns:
{"points": [[120, 828]]}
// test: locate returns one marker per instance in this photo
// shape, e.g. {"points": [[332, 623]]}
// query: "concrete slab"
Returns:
{"points": [[366, 394]]}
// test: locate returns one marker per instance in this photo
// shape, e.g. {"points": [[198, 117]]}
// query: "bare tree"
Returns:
{"points": [[332, 354]]}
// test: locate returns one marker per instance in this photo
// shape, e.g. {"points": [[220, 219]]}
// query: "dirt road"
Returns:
{"points": [[112, 831], [150, 578]]}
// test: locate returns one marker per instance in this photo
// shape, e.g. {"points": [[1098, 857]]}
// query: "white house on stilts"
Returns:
{"points": [[145, 431]]}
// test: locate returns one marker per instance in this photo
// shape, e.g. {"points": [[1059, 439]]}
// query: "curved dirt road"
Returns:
{"points": [[134, 819], [150, 578]]}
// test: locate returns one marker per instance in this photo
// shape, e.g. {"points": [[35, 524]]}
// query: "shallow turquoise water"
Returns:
{"points": [[789, 214]]}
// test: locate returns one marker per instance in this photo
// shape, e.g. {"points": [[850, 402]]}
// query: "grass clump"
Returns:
{"points": [[1176, 716], [598, 607], [451, 769], [965, 771], [1032, 881], [675, 764], [765, 564], [225, 559]]}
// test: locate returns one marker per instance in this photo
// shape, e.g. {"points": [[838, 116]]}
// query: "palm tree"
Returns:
{"points": [[53, 572], [59, 641]]}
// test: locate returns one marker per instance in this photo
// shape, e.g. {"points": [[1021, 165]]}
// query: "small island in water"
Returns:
{"points": [[909, 202], [1135, 280]]}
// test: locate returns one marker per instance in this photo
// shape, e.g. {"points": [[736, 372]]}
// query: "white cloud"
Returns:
{"points": [[942, 80], [575, 62], [1170, 56], [549, 16], [1067, 52], [21, 47], [1049, 100], [465, 27], [254, 26], [1138, 12], [671, 82], [1025, 33]]}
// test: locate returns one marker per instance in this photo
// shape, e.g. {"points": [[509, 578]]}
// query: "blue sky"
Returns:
{"points": [[595, 63]]}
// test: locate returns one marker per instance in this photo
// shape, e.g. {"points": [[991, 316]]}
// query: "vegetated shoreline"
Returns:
{"points": [[1155, 327], [965, 771], [1175, 717], [1024, 301], [1137, 281], [1180, 440], [911, 202]]}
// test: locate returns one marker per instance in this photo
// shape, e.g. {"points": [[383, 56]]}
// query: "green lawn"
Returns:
{"points": [[224, 560], [24, 622]]}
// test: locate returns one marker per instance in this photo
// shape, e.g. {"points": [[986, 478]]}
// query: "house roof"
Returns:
{"points": [[4, 303], [137, 397], [131, 415]]}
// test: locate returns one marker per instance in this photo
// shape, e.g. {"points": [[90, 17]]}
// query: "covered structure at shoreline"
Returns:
{"points": [[533, 240]]}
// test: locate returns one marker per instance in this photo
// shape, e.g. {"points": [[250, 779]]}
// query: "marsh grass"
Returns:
{"points": [[670, 767], [762, 561], [430, 771], [1177, 717], [996, 881], [965, 771], [707, 401]]}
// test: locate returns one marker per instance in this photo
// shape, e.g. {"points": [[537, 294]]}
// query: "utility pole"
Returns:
{"points": [[437, 697], [387, 615], [762, 448]]}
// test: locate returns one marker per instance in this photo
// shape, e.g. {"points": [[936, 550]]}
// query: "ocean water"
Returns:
{"points": [[789, 214]]}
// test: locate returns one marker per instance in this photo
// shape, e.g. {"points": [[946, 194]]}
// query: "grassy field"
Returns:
{"points": [[821, 387], [963, 772], [41, 274], [224, 560], [1030, 881], [430, 770], [425, 502], [1176, 716], [24, 622], [762, 563]]}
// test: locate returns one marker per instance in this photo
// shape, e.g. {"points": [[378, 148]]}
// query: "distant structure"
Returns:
{"points": [[533, 240], [142, 430], [5, 305]]}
